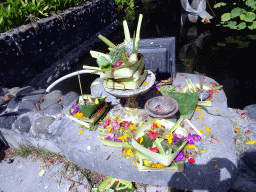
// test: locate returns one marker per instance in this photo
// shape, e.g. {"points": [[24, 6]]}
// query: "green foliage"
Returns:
{"points": [[239, 18], [217, 5], [126, 9], [187, 102], [19, 11]]}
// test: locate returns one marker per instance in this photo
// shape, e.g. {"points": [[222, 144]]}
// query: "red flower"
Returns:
{"points": [[211, 92], [117, 182], [154, 126], [191, 160], [138, 140], [235, 141], [126, 124], [153, 149], [248, 131], [187, 156], [107, 121], [152, 135]]}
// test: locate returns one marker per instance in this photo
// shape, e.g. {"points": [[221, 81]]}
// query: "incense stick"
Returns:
{"points": [[80, 86]]}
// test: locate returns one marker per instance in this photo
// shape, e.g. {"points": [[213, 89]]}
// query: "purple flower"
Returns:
{"points": [[76, 109], [180, 156], [177, 137], [192, 138]]}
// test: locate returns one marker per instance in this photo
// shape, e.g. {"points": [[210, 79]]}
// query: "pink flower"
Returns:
{"points": [[107, 121], [115, 124]]}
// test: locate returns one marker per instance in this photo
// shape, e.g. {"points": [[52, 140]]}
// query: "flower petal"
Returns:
{"points": [[200, 116], [207, 129], [250, 142], [80, 132]]}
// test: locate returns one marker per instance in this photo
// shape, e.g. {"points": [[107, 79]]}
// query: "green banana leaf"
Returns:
{"points": [[115, 184], [89, 110], [132, 84], [187, 102]]}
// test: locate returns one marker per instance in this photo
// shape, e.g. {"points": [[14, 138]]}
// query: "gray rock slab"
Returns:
{"points": [[27, 105], [69, 98], [13, 103], [54, 109], [50, 99], [13, 91], [251, 112], [33, 98], [56, 94], [40, 91], [98, 89], [23, 124], [24, 91], [41, 124], [87, 151], [23, 175], [7, 121]]}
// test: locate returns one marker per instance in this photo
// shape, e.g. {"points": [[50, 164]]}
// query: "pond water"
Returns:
{"points": [[225, 55]]}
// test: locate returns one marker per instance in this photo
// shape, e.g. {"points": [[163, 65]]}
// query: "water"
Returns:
{"points": [[230, 66]]}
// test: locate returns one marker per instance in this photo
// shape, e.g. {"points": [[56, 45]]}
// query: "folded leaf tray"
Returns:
{"points": [[164, 159], [89, 110]]}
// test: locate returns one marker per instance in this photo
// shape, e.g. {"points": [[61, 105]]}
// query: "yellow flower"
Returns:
{"points": [[78, 114], [145, 83], [157, 124], [129, 152], [123, 137], [236, 130], [127, 157], [158, 165], [147, 163], [203, 151], [200, 116], [141, 139], [201, 131], [250, 142], [80, 132], [134, 163], [217, 109], [107, 116], [96, 101], [110, 129], [190, 146], [216, 165], [207, 129], [116, 117], [197, 109], [165, 81], [169, 137], [133, 126]]}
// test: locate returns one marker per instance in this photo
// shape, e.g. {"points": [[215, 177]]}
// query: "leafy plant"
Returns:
{"points": [[17, 12], [239, 18], [126, 9]]}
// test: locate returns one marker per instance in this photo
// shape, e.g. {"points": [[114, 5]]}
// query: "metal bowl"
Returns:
{"points": [[161, 105]]}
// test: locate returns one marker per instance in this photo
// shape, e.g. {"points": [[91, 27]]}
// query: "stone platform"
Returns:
{"points": [[49, 128]]}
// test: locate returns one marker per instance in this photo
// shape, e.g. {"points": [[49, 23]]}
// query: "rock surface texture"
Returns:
{"points": [[49, 127]]}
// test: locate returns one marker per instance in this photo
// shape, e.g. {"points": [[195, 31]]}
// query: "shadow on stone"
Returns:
{"points": [[217, 175], [246, 177]]}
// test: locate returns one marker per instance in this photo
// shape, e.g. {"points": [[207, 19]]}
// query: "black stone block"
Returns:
{"points": [[159, 54]]}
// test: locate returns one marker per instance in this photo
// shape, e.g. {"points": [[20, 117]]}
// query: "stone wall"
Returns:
{"points": [[39, 54]]}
